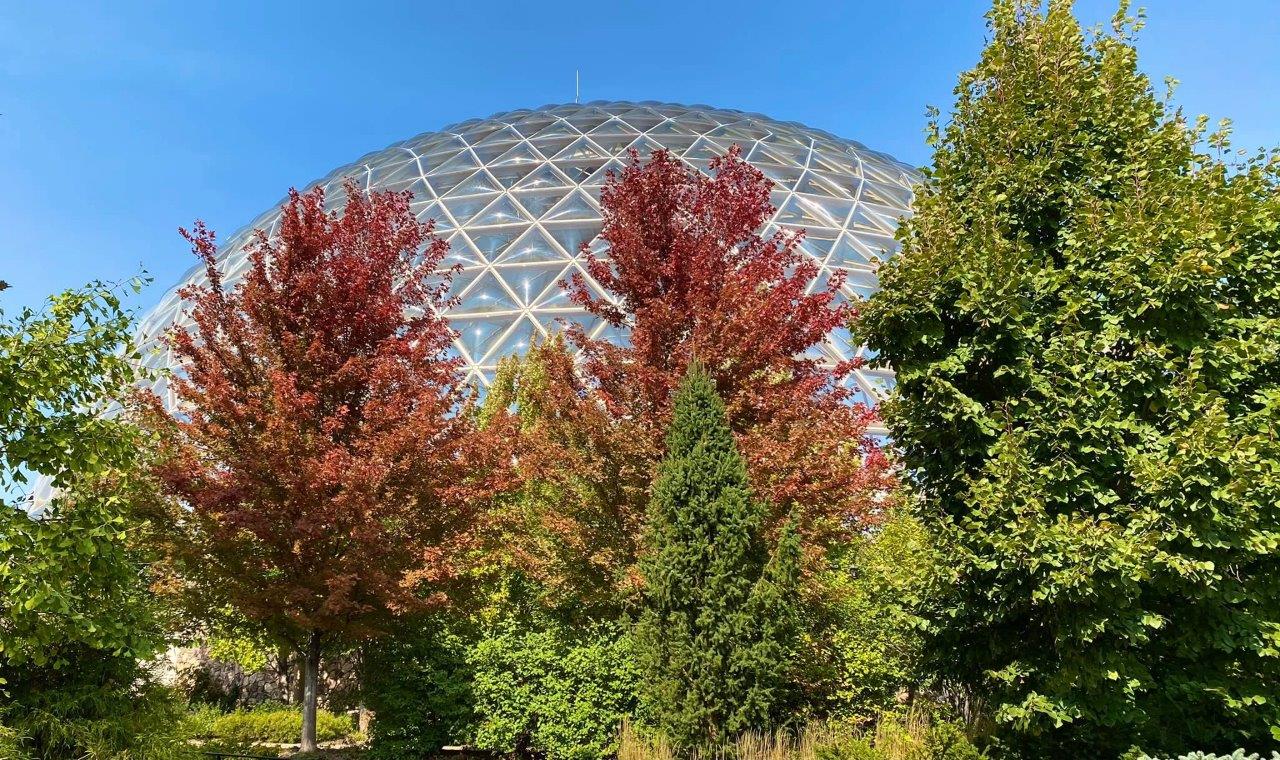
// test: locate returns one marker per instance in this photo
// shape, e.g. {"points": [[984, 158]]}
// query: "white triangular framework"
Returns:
{"points": [[556, 298], [503, 210], [574, 207], [516, 340], [476, 184], [614, 126], [544, 176], [538, 202], [486, 295], [521, 153], [531, 281], [532, 247], [517, 196], [462, 160], [464, 208], [493, 244], [572, 236]]}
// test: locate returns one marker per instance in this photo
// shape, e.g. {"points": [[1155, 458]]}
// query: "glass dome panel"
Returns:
{"points": [[517, 195]]}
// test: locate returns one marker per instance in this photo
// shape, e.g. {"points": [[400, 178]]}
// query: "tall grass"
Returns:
{"points": [[905, 737]]}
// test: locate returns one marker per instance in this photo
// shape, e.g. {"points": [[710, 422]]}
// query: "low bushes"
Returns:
{"points": [[268, 724], [96, 706], [913, 736], [521, 679], [1237, 755], [556, 690], [418, 684]]}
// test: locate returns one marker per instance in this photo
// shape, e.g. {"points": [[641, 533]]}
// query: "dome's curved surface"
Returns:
{"points": [[517, 194]]}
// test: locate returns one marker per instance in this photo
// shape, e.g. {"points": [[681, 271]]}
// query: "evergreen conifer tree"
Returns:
{"points": [[716, 634], [1085, 325]]}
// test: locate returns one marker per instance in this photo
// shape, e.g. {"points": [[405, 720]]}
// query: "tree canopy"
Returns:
{"points": [[320, 446], [1085, 326]]}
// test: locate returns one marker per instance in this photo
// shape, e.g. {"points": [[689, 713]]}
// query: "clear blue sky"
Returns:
{"points": [[122, 120]]}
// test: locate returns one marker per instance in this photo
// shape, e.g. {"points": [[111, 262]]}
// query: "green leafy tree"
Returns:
{"points": [[76, 614], [716, 636], [862, 651], [1085, 326]]}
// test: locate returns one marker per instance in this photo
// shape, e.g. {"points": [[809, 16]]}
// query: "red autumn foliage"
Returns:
{"points": [[692, 276], [320, 449], [689, 275]]}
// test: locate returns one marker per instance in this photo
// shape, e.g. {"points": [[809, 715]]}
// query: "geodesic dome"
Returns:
{"points": [[517, 194]]}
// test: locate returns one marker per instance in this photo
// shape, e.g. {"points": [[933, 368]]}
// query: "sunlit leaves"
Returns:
{"points": [[68, 579], [1085, 327], [320, 450]]}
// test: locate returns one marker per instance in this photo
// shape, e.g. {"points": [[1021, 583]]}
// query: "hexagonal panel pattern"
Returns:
{"points": [[517, 195]]}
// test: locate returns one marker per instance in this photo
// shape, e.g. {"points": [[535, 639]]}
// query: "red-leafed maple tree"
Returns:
{"points": [[319, 448], [690, 275]]}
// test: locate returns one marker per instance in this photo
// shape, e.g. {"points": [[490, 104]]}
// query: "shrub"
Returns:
{"points": [[268, 723], [849, 749], [98, 705], [557, 689], [913, 736], [1237, 755], [418, 684], [523, 676], [862, 643], [199, 721]]}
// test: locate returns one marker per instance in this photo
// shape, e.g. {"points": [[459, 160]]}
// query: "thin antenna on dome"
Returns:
{"points": [[577, 87]]}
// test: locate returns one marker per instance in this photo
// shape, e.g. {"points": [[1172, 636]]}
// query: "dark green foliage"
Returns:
{"points": [[1237, 755], [519, 677], [100, 705], [715, 641], [848, 749], [948, 741], [1085, 325], [418, 684]]}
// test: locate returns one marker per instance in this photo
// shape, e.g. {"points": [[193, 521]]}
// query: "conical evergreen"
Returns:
{"points": [[715, 635]]}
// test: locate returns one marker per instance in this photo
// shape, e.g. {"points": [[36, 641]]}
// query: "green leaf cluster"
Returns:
{"points": [[103, 707], [267, 723], [68, 579], [1235, 755], [515, 676], [861, 651], [717, 634], [546, 685], [1085, 325], [76, 614], [60, 367], [417, 682]]}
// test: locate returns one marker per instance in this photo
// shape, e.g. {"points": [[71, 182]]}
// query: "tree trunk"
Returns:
{"points": [[310, 678], [297, 665]]}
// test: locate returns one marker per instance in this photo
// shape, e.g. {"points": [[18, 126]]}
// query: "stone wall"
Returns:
{"points": [[203, 679]]}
